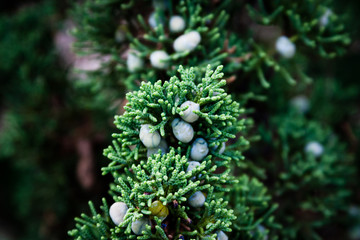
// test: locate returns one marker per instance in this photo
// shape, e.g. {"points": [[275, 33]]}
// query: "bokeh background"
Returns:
{"points": [[52, 135]]}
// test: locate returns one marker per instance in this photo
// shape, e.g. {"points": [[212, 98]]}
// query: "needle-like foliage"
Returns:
{"points": [[160, 103], [311, 167], [164, 178]]}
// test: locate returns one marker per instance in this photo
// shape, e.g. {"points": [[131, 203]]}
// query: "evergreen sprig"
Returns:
{"points": [[256, 59], [98, 23], [93, 227], [317, 179], [164, 178], [252, 205], [207, 23], [310, 22], [160, 103], [167, 172], [130, 32]]}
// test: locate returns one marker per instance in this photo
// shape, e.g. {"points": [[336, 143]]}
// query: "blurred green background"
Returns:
{"points": [[52, 137], [48, 141]]}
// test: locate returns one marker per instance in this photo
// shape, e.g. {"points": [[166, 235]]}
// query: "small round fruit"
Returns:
{"points": [[140, 225], [134, 61], [189, 115], [182, 130], [199, 149], [117, 212], [221, 235], [162, 146], [314, 148], [197, 199], [150, 140], [159, 59], [192, 165], [159, 210], [187, 42], [285, 47], [176, 24]]}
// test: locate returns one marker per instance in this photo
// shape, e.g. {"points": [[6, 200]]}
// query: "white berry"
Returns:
{"points": [[285, 47], [117, 212], [324, 19], [189, 115], [140, 225], [177, 24], [159, 59], [314, 148], [182, 130], [221, 235], [187, 42], [150, 140], [162, 146], [300, 103], [192, 165], [199, 149], [153, 21], [134, 62], [197, 199]]}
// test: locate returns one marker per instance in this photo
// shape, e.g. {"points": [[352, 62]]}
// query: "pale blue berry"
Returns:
{"points": [[199, 149], [182, 130], [150, 140]]}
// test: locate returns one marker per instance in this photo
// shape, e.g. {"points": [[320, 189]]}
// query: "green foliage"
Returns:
{"points": [[95, 227], [99, 22], [164, 178], [38, 117], [122, 30], [338, 106], [258, 60], [303, 194], [318, 184], [141, 179], [312, 23], [144, 28], [26, 55], [311, 26], [252, 207], [160, 103], [32, 92]]}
